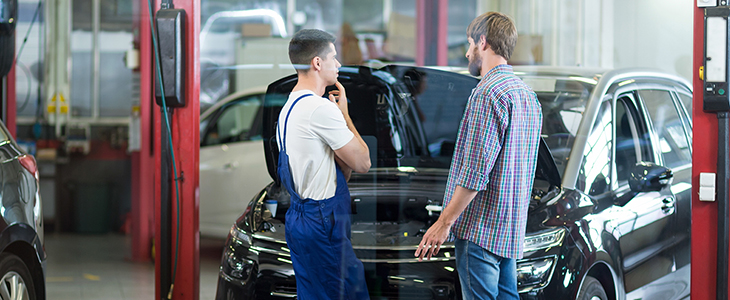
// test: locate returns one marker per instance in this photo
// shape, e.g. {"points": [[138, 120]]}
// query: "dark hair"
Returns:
{"points": [[498, 29], [308, 44]]}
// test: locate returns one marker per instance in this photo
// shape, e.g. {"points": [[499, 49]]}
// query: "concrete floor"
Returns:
{"points": [[86, 267]]}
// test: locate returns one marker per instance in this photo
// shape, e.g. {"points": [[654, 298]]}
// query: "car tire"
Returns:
{"points": [[16, 282], [592, 290]]}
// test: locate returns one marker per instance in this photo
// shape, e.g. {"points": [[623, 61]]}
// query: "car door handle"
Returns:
{"points": [[668, 205]]}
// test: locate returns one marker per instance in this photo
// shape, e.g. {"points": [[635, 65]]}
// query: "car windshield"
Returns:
{"points": [[563, 101], [410, 116], [430, 103]]}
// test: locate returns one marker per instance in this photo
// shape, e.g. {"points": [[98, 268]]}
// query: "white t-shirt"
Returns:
{"points": [[316, 128]]}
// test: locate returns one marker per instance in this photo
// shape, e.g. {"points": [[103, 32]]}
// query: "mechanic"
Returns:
{"points": [[491, 175], [320, 148]]}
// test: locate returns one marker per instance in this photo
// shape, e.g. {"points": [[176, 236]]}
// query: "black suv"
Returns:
{"points": [[609, 216]]}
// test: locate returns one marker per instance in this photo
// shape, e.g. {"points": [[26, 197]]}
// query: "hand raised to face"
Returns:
{"points": [[339, 97]]}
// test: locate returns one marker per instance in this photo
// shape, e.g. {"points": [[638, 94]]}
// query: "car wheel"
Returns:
{"points": [[592, 290], [16, 282]]}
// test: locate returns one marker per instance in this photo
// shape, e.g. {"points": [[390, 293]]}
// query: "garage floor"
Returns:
{"points": [[97, 267]]}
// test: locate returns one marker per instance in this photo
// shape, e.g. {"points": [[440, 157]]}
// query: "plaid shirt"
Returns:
{"points": [[496, 154]]}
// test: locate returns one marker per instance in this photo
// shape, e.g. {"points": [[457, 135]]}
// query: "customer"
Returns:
{"points": [[488, 190], [313, 132]]}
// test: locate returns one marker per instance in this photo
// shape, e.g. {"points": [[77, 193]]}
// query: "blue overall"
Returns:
{"points": [[318, 236]]}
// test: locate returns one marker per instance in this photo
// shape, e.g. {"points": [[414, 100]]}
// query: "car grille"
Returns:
{"points": [[404, 294], [285, 291]]}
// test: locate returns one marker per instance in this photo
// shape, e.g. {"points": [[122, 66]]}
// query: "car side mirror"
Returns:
{"points": [[649, 177]]}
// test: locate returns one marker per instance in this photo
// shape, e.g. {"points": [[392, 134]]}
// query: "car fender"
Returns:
{"points": [[601, 257], [616, 284], [22, 240]]}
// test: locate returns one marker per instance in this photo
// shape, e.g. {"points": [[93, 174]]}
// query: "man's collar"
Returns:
{"points": [[503, 68]]}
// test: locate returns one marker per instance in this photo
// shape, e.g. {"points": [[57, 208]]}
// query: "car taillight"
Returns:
{"points": [[29, 164]]}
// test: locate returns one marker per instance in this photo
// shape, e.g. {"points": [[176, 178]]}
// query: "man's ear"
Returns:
{"points": [[483, 45], [317, 63]]}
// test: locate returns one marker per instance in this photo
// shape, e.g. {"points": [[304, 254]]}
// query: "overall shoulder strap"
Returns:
{"points": [[282, 138]]}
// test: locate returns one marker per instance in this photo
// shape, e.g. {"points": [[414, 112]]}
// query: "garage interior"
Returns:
{"points": [[80, 97]]}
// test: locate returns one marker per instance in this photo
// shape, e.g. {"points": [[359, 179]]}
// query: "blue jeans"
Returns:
{"points": [[484, 275]]}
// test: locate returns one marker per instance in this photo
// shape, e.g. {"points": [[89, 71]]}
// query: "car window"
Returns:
{"points": [[673, 143], [438, 100], [686, 101], [236, 121], [633, 143], [595, 172], [563, 101]]}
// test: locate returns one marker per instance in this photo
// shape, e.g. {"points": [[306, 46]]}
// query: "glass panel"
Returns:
{"points": [[409, 117], [116, 82], [633, 143], [81, 72], [400, 43], [563, 101], [321, 14], [673, 142], [361, 35], [115, 38], [626, 152], [461, 12], [235, 122], [686, 101], [242, 46], [439, 100], [595, 173]]}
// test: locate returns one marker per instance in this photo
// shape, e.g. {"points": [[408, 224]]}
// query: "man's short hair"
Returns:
{"points": [[499, 31], [306, 45]]}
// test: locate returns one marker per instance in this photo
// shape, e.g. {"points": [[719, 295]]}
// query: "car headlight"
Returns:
{"points": [[535, 273], [544, 240], [235, 264], [240, 237]]}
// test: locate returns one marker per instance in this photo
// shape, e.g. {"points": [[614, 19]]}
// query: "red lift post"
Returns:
{"points": [[432, 22], [143, 168], [186, 144], [704, 159]]}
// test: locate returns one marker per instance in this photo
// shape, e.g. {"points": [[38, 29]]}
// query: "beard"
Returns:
{"points": [[475, 65]]}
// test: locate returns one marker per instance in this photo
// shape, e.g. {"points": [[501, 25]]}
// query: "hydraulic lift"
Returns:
{"points": [[184, 122], [711, 150], [176, 237]]}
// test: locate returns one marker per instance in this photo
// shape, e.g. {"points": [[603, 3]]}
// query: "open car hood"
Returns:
{"points": [[385, 94]]}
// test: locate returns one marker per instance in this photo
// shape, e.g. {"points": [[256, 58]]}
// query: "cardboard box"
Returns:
{"points": [[255, 30], [401, 36], [528, 50]]}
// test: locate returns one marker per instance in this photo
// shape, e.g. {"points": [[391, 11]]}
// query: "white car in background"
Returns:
{"points": [[232, 162], [240, 50]]}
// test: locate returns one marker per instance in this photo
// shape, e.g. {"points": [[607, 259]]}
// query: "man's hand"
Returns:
{"points": [[339, 97], [346, 170], [432, 240]]}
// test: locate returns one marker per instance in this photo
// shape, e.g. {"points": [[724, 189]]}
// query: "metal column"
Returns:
{"points": [[186, 144], [432, 21]]}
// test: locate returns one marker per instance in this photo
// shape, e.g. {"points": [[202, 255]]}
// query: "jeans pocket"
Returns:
{"points": [[490, 257]]}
